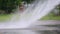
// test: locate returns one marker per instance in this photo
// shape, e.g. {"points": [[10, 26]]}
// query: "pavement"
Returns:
{"points": [[39, 27]]}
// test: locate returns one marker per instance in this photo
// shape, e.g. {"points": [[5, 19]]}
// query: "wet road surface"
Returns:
{"points": [[40, 27]]}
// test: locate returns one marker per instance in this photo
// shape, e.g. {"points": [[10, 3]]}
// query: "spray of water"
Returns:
{"points": [[41, 8], [36, 11]]}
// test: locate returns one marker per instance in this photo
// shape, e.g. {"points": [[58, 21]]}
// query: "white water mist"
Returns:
{"points": [[36, 11]]}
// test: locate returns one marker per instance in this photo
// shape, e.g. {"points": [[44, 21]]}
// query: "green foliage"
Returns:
{"points": [[8, 5], [28, 1], [18, 2], [51, 17]]}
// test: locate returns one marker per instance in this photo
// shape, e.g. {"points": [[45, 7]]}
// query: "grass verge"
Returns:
{"points": [[51, 17]]}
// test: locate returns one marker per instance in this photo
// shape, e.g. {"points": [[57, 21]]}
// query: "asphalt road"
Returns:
{"points": [[39, 27]]}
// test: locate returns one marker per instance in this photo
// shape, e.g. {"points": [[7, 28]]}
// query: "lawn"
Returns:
{"points": [[5, 17], [51, 17]]}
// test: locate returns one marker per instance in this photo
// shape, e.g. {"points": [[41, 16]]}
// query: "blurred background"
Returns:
{"points": [[8, 7]]}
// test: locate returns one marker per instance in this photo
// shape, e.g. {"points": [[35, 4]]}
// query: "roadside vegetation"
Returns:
{"points": [[51, 17]]}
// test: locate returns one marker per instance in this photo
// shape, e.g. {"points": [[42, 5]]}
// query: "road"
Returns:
{"points": [[40, 27]]}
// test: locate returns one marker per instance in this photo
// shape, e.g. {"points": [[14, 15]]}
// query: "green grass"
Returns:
{"points": [[51, 17], [5, 17]]}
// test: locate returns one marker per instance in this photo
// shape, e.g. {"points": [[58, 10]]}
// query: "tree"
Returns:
{"points": [[28, 1], [9, 5]]}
